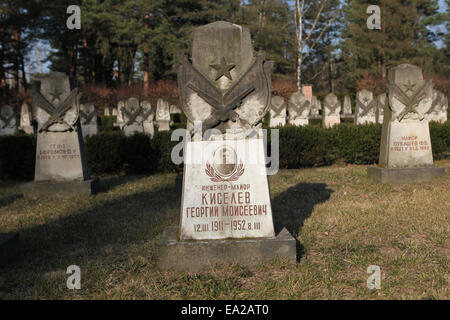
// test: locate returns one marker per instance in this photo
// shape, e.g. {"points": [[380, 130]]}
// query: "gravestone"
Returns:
{"points": [[278, 112], [299, 109], [148, 114], [225, 214], [88, 119], [331, 111], [60, 157], [106, 112], [316, 106], [438, 110], [381, 104], [405, 153], [347, 106], [174, 109], [8, 121], [162, 115], [25, 119], [132, 116], [366, 107], [119, 115]]}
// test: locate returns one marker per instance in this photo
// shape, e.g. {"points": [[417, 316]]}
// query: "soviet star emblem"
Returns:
{"points": [[55, 94], [365, 100], [223, 69], [409, 86]]}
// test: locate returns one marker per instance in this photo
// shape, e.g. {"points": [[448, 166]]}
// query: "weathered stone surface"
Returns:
{"points": [[439, 106], [162, 115], [226, 87], [118, 112], [174, 109], [106, 112], [148, 114], [25, 119], [132, 117], [225, 191], [299, 109], [88, 119], [60, 148], [366, 107], [347, 106], [195, 256], [405, 175], [316, 106], [405, 141], [8, 121], [278, 112], [114, 112], [331, 111], [9, 248], [381, 105]]}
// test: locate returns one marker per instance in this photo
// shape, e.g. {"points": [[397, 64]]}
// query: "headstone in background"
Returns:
{"points": [[438, 110], [347, 106], [381, 104], [307, 92], [60, 157], [162, 115], [225, 201], [278, 112], [106, 112], [8, 121], [299, 109], [25, 119], [366, 107], [174, 109], [118, 112], [132, 117], [148, 114], [316, 106], [331, 111], [88, 119], [405, 152]]}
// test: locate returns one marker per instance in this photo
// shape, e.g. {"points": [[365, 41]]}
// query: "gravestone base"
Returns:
{"points": [[195, 256], [404, 175], [9, 248], [60, 188]]}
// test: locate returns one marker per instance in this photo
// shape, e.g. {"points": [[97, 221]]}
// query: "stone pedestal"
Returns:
{"points": [[406, 175], [194, 256], [9, 248], [60, 188]]}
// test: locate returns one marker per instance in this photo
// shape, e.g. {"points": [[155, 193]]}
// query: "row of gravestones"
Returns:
{"points": [[369, 109], [134, 116]]}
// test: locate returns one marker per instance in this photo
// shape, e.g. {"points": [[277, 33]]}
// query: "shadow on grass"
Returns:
{"points": [[108, 183], [83, 236], [293, 206], [5, 201]]}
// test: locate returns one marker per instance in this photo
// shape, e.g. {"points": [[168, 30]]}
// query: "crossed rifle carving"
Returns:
{"points": [[6, 120], [56, 112], [366, 110], [87, 116], [131, 116], [299, 108], [333, 107], [412, 103], [277, 111]]}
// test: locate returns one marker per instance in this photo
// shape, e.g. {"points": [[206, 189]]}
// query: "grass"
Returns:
{"points": [[343, 221]]}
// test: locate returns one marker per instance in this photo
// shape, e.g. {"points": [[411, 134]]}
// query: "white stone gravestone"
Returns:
{"points": [[60, 158], [148, 114], [226, 216], [88, 119], [438, 110], [405, 152], [299, 109], [381, 105], [106, 112], [25, 119], [331, 111], [119, 115], [366, 107], [347, 108], [162, 115], [316, 106], [132, 116], [8, 121], [278, 112]]}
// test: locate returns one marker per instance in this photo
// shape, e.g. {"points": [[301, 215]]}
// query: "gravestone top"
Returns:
{"points": [[366, 105], [410, 96], [162, 110], [88, 114], [131, 111], [56, 107], [226, 87], [148, 113], [331, 104], [278, 105], [347, 105], [8, 117], [298, 105]]}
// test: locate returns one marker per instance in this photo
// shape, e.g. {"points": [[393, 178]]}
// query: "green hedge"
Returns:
{"points": [[310, 146]]}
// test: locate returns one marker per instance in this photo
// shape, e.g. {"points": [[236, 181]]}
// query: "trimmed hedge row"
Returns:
{"points": [[310, 146]]}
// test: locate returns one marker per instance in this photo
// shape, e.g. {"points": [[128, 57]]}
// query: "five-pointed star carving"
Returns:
{"points": [[55, 94], [366, 99], [409, 86], [223, 69]]}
